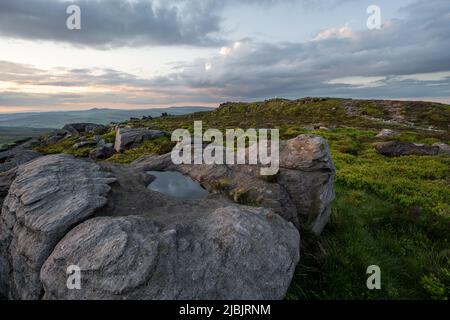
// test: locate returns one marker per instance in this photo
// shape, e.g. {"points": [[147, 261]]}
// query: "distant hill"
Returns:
{"points": [[101, 116]]}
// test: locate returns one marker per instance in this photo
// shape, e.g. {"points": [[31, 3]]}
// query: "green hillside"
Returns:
{"points": [[391, 212]]}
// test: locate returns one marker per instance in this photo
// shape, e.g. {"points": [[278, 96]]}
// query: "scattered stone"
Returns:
{"points": [[55, 136], [83, 144], [98, 138], [102, 153], [83, 128], [129, 138], [387, 133], [443, 148], [401, 148], [350, 110]]}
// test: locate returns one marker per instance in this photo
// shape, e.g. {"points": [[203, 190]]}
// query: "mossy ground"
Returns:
{"points": [[390, 212]]}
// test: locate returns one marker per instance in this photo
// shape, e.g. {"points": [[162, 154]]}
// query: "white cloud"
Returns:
{"points": [[208, 66], [359, 82], [337, 33], [430, 76], [225, 51]]}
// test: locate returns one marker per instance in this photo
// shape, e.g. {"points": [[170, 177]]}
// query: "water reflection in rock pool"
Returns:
{"points": [[176, 185]]}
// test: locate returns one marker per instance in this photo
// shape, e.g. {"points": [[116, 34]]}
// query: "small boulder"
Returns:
{"points": [[402, 148], [443, 148], [129, 138], [102, 153], [387, 133], [307, 152], [83, 144]]}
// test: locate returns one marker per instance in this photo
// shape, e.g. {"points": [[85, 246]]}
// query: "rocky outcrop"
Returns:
{"points": [[129, 138], [240, 242], [402, 148], [47, 198], [302, 192], [226, 250], [233, 253], [76, 129]]}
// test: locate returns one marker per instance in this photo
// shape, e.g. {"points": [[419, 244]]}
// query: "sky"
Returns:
{"points": [[156, 53]]}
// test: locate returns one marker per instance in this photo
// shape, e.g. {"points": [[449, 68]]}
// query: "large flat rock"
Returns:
{"points": [[233, 253]]}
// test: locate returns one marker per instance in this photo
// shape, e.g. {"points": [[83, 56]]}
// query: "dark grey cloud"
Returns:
{"points": [[417, 43], [115, 23], [109, 23]]}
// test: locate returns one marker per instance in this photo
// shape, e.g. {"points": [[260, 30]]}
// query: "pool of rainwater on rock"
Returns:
{"points": [[176, 185]]}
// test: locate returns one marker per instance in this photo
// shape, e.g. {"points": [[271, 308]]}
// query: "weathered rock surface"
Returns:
{"points": [[47, 198], [233, 253], [402, 148], [301, 193], [307, 152], [128, 138]]}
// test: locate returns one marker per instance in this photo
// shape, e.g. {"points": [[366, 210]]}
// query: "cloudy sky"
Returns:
{"points": [[153, 53]]}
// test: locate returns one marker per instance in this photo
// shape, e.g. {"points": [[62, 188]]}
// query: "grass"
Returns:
{"points": [[390, 212], [160, 145], [368, 230], [64, 146]]}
